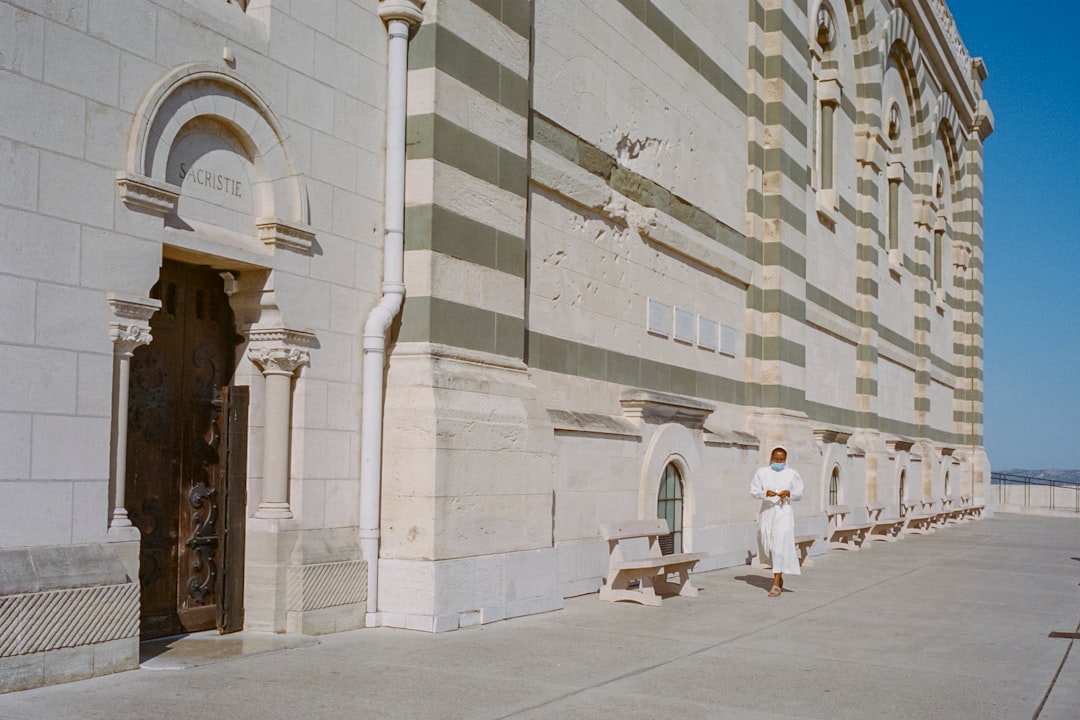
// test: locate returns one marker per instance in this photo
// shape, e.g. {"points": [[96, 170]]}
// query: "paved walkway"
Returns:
{"points": [[950, 625]]}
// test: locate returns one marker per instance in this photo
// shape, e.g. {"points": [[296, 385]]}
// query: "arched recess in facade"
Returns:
{"points": [[203, 97], [672, 443], [199, 91]]}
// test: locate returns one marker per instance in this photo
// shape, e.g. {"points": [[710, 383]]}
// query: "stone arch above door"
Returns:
{"points": [[248, 183]]}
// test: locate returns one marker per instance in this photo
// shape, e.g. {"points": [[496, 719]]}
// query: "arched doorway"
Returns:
{"points": [[669, 506], [186, 458]]}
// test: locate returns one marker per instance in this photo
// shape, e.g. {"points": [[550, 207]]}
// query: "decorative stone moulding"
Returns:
{"points": [[870, 147], [952, 35], [961, 254], [411, 11], [984, 120], [280, 350], [132, 325], [570, 421], [941, 299], [725, 437], [279, 360], [657, 407], [139, 192], [282, 336], [826, 435], [278, 233], [896, 445]]}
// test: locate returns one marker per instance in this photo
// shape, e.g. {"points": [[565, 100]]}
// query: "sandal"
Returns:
{"points": [[775, 592]]}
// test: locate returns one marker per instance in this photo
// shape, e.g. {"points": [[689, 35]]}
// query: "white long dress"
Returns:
{"points": [[776, 520]]}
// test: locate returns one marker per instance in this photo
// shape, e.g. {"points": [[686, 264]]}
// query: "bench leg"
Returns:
{"points": [[682, 587], [616, 589]]}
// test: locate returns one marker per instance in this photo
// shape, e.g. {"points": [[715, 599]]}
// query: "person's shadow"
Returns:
{"points": [[765, 583]]}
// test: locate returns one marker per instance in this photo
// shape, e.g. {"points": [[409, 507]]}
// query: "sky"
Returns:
{"points": [[1032, 229]]}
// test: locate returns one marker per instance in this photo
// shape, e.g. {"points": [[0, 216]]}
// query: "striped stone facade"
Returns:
{"points": [[641, 238]]}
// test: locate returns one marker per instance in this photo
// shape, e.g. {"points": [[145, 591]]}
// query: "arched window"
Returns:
{"points": [[669, 506], [895, 177], [903, 479], [939, 232], [946, 483], [828, 99], [834, 487]]}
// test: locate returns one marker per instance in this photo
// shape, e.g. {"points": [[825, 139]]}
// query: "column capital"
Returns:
{"points": [[279, 351], [131, 327], [278, 360], [411, 11]]}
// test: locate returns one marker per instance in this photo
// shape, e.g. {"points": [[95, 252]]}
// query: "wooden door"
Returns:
{"points": [[179, 454]]}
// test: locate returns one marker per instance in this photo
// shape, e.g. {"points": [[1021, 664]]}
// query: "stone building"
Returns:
{"points": [[324, 315]]}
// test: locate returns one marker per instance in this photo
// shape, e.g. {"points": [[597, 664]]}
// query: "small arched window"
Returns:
{"points": [[903, 480], [946, 483], [834, 487], [895, 177], [939, 232], [669, 506]]}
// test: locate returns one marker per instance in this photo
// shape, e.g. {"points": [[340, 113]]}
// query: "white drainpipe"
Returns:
{"points": [[398, 15]]}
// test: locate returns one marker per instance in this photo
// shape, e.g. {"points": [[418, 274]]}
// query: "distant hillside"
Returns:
{"points": [[1068, 476]]}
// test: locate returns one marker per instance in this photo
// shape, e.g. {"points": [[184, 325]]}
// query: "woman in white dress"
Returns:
{"points": [[777, 486]]}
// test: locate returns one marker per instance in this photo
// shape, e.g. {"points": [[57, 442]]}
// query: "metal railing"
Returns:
{"points": [[1038, 492]]}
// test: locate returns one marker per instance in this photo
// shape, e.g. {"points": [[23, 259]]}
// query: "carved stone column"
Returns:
{"points": [[130, 330], [278, 353]]}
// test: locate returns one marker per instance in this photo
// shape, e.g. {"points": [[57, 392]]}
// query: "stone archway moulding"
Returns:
{"points": [[202, 91], [671, 443]]}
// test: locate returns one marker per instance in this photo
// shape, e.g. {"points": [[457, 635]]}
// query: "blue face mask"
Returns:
{"points": [[777, 466]]}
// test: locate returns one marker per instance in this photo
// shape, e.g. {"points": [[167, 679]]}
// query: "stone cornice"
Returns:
{"points": [[139, 192], [658, 407], [826, 435], [278, 233], [282, 336], [899, 444]]}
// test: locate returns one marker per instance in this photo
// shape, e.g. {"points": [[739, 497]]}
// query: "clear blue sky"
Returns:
{"points": [[1032, 229]]}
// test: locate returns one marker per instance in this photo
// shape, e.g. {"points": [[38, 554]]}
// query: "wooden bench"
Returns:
{"points": [[649, 572], [916, 523], [841, 536], [883, 529], [975, 512]]}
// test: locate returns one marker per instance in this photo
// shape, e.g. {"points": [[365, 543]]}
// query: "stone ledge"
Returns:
{"points": [[659, 407], [569, 421]]}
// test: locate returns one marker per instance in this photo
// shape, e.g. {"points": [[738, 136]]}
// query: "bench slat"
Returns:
{"points": [[634, 529], [662, 561]]}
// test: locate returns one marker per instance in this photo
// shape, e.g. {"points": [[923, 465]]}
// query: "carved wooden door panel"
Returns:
{"points": [[176, 451]]}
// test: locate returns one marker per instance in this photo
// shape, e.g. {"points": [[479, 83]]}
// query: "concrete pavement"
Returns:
{"points": [[951, 625]]}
